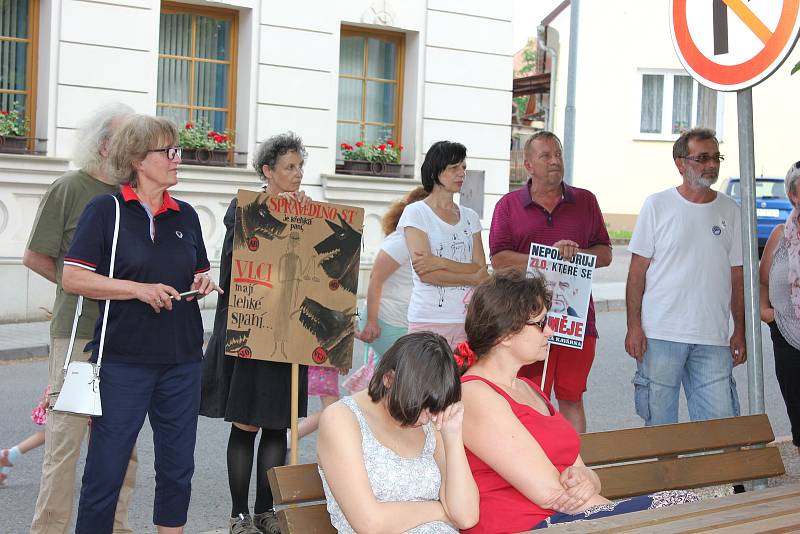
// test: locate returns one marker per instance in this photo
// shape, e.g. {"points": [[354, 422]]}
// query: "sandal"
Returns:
{"points": [[5, 458]]}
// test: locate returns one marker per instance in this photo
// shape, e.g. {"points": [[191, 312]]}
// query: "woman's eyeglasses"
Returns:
{"points": [[171, 152], [540, 324]]}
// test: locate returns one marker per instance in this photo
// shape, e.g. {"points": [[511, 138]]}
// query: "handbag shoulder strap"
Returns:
{"points": [[79, 307]]}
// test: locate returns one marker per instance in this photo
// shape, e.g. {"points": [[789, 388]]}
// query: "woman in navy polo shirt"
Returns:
{"points": [[153, 344]]}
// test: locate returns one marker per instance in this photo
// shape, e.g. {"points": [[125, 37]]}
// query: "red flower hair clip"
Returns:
{"points": [[464, 355]]}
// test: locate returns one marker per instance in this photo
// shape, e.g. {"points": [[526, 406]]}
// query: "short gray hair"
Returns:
{"points": [[791, 179], [273, 148], [541, 134], [133, 140], [94, 132], [681, 147]]}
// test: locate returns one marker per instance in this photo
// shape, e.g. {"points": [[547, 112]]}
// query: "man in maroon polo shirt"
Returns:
{"points": [[549, 212]]}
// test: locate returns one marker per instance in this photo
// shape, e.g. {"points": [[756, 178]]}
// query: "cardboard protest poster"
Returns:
{"points": [[293, 281], [571, 285]]}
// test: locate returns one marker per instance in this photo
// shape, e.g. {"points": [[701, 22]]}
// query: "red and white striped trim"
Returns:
{"points": [[80, 263]]}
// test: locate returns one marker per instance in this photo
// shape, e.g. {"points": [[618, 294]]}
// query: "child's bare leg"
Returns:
{"points": [[31, 442], [311, 423]]}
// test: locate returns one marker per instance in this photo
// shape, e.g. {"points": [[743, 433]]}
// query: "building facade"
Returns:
{"points": [[332, 71]]}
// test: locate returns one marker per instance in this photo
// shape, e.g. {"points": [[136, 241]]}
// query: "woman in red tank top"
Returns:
{"points": [[524, 456]]}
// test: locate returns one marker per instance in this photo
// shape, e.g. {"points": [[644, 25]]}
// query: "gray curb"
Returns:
{"points": [[43, 351], [23, 353], [609, 305]]}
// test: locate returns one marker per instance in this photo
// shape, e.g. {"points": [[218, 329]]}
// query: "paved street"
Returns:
{"points": [[609, 406]]}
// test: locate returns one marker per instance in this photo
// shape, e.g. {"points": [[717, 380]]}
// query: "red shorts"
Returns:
{"points": [[568, 367]]}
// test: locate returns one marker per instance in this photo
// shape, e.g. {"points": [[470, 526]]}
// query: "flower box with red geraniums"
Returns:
{"points": [[14, 129], [203, 146], [380, 159]]}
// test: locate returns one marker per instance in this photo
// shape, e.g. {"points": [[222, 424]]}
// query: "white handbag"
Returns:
{"points": [[80, 393]]}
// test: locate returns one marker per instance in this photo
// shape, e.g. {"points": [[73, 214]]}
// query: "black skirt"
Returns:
{"points": [[250, 392]]}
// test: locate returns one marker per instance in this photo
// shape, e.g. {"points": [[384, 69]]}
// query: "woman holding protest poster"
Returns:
{"points": [[780, 301], [254, 394], [444, 244]]}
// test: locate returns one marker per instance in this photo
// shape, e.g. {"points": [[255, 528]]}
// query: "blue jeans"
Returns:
{"points": [[706, 372]]}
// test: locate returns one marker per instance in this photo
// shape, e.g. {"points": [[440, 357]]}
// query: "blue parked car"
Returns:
{"points": [[772, 204]]}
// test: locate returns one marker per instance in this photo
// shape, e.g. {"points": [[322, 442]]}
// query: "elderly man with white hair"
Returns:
{"points": [[52, 234], [779, 275]]}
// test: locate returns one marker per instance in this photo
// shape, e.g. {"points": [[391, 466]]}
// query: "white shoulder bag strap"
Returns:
{"points": [[79, 307]]}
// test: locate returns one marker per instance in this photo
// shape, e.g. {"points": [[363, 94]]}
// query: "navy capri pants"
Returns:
{"points": [[170, 396]]}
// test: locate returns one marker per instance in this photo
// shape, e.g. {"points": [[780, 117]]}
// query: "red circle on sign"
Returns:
{"points": [[252, 244], [333, 285], [245, 352], [743, 75], [319, 355]]}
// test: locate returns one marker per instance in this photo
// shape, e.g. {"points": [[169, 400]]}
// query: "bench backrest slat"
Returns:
{"points": [[600, 448], [689, 472]]}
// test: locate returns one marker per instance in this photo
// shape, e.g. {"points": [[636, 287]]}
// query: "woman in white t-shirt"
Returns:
{"points": [[445, 247], [386, 317]]}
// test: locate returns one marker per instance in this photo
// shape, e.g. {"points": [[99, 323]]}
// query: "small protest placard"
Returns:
{"points": [[571, 285], [293, 281]]}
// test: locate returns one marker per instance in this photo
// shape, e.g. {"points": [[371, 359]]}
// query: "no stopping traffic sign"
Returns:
{"points": [[730, 45]]}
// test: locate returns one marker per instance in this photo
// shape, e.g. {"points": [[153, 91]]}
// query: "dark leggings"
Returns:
{"points": [[271, 453], [787, 370]]}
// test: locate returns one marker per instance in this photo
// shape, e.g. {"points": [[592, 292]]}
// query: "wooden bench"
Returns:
{"points": [[629, 462], [637, 461], [300, 487]]}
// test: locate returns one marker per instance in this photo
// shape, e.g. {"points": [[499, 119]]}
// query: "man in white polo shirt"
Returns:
{"points": [[685, 280]]}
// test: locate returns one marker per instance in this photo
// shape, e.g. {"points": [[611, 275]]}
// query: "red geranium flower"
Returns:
{"points": [[3, 112], [188, 126], [381, 147], [359, 144], [390, 142], [212, 134], [400, 147], [219, 138]]}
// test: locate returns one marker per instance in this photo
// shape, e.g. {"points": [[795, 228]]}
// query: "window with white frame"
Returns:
{"points": [[671, 101]]}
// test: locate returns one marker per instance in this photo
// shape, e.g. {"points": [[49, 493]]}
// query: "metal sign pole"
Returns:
{"points": [[755, 363], [752, 316]]}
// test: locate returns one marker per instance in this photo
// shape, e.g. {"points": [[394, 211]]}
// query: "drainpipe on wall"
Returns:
{"points": [[569, 109], [541, 36]]}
